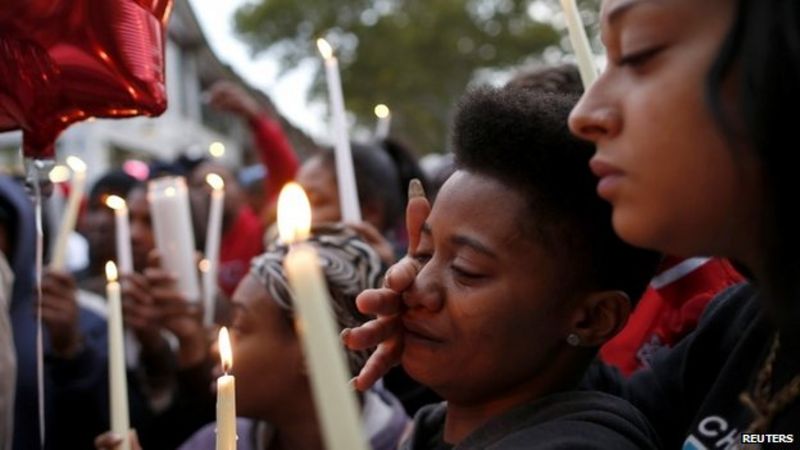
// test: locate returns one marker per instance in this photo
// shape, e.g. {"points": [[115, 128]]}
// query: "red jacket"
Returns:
{"points": [[669, 309]]}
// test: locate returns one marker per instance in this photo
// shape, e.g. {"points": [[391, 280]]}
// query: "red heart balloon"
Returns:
{"points": [[62, 61]]}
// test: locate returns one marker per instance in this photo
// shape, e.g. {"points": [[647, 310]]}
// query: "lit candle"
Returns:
{"points": [[172, 226], [345, 176], [123, 233], [226, 396], [580, 43], [335, 401], [384, 121], [71, 214], [213, 236], [117, 379]]}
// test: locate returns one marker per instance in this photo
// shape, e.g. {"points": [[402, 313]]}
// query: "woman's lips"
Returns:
{"points": [[610, 177], [419, 331]]}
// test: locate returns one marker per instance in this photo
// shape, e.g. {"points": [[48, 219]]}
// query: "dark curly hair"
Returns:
{"points": [[520, 137]]}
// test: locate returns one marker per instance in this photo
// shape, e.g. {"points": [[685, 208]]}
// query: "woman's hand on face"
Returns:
{"points": [[386, 303], [110, 441]]}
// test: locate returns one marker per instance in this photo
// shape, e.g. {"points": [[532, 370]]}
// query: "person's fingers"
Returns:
{"points": [[417, 212], [379, 363], [154, 258], [58, 279], [372, 333], [134, 440], [400, 276], [135, 280], [135, 295], [379, 302], [107, 441], [159, 278], [52, 318]]}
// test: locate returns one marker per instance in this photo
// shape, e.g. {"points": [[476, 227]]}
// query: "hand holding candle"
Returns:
{"points": [[117, 377], [580, 43], [226, 396], [122, 233], [213, 236], [345, 176], [335, 401], [70, 216]]}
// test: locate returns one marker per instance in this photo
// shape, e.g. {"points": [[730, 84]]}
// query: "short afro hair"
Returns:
{"points": [[520, 138]]}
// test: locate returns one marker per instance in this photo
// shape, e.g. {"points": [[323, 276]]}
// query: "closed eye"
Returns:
{"points": [[467, 274], [639, 58]]}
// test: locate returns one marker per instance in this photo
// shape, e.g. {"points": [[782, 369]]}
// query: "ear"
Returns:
{"points": [[600, 316]]}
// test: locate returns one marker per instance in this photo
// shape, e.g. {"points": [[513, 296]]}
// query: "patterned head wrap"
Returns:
{"points": [[349, 265]]}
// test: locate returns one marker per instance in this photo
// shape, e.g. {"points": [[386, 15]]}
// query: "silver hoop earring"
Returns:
{"points": [[573, 340]]}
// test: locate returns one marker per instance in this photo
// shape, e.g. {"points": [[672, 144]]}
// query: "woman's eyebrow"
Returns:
{"points": [[617, 12], [460, 240]]}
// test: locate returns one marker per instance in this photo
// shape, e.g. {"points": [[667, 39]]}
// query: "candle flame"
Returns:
{"points": [[204, 265], [325, 49], [115, 202], [216, 149], [170, 192], [382, 111], [225, 352], [294, 214], [76, 164], [111, 271], [59, 174], [215, 181]]}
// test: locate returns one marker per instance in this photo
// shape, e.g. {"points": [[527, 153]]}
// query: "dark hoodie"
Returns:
{"points": [[567, 420], [75, 390]]}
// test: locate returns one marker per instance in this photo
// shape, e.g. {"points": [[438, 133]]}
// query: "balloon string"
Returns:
{"points": [[39, 338]]}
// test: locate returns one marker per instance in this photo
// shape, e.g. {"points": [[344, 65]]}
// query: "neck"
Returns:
{"points": [[296, 425], [463, 418]]}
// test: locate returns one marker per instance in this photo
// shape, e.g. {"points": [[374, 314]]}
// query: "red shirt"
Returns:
{"points": [[275, 153], [241, 243], [669, 309]]}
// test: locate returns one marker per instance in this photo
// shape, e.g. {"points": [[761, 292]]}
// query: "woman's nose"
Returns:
{"points": [[594, 117], [425, 292]]}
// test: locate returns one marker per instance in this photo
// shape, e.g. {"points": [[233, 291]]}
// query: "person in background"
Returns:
{"points": [[676, 297], [8, 355], [97, 226], [242, 231], [75, 341], [669, 309], [272, 147], [274, 400]]}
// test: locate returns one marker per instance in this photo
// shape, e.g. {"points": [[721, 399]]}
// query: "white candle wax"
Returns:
{"points": [[580, 42], [70, 217], [172, 226], [226, 397], [117, 377], [213, 237], [209, 291], [345, 176], [335, 401], [122, 233]]}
